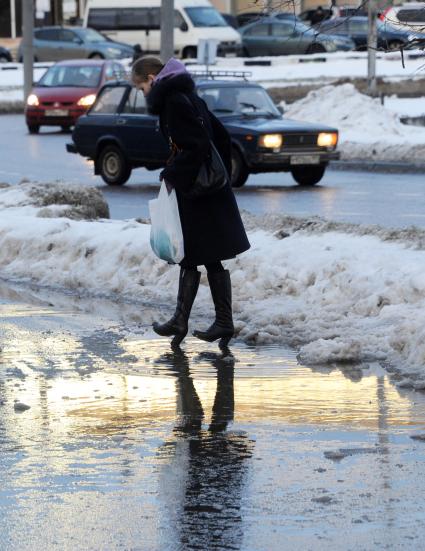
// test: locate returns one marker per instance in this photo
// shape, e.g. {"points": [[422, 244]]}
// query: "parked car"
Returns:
{"points": [[139, 22], [66, 90], [272, 36], [120, 135], [356, 28], [408, 17], [5, 55], [308, 16], [58, 43]]}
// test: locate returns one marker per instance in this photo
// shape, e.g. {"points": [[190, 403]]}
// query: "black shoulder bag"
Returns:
{"points": [[212, 175]]}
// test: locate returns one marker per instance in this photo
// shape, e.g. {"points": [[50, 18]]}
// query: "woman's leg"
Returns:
{"points": [[178, 324], [221, 292]]}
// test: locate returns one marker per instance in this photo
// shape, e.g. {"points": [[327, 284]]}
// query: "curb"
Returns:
{"points": [[388, 167]]}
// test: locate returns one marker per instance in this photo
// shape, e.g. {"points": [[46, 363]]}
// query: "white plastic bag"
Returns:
{"points": [[166, 230]]}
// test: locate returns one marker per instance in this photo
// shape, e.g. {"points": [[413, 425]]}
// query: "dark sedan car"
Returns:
{"points": [[5, 55], [389, 38], [272, 36], [119, 134]]}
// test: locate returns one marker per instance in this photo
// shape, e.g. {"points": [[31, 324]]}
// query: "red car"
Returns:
{"points": [[67, 89]]}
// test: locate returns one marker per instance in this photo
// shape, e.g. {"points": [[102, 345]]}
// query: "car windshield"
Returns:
{"points": [[90, 35], [81, 76], [238, 100], [205, 17]]}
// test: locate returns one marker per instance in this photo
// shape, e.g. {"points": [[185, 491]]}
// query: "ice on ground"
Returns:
{"points": [[368, 130], [336, 293], [53, 200]]}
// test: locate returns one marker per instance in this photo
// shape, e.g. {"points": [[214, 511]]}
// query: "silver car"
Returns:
{"points": [[58, 43]]}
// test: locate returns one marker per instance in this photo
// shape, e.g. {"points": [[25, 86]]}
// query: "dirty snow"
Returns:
{"points": [[368, 130], [335, 293]]}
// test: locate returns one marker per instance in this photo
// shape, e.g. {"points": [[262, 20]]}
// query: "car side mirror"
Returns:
{"points": [[184, 27], [280, 109]]}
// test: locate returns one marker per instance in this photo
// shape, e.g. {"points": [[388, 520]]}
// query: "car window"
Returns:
{"points": [[136, 103], [258, 30], [83, 76], [120, 72], [178, 19], [103, 18], [135, 19], [47, 34], [237, 99], [283, 29], [411, 16], [64, 35], [333, 27], [109, 100], [356, 26]]}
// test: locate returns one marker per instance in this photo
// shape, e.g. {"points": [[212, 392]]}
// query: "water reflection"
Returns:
{"points": [[212, 462]]}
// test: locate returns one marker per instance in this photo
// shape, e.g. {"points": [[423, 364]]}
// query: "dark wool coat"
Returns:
{"points": [[212, 226]]}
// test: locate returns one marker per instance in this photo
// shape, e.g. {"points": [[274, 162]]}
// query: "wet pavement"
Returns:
{"points": [[129, 445]]}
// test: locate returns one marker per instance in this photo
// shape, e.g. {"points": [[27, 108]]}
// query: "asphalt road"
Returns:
{"points": [[396, 200]]}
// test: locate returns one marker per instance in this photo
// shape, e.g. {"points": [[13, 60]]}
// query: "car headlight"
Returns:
{"points": [[32, 100], [86, 101], [271, 141], [327, 139]]}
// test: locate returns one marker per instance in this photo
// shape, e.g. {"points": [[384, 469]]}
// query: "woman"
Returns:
{"points": [[212, 227]]}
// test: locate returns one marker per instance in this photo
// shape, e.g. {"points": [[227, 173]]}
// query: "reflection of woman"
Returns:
{"points": [[212, 227], [208, 515]]}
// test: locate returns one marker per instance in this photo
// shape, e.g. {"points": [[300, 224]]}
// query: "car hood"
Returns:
{"points": [[61, 94], [262, 125]]}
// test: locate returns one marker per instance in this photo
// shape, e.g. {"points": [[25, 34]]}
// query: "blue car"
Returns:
{"points": [[119, 135]]}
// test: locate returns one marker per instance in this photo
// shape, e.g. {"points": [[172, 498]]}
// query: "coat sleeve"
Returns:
{"points": [[192, 141], [222, 142]]}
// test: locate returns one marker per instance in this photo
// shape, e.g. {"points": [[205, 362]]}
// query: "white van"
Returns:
{"points": [[139, 22]]}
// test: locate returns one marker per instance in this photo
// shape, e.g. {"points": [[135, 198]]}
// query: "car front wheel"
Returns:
{"points": [[316, 49], [240, 171], [4, 59], [33, 128], [308, 175], [113, 167]]}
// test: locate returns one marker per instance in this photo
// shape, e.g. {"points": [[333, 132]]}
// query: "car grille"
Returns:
{"points": [[56, 103], [299, 140]]}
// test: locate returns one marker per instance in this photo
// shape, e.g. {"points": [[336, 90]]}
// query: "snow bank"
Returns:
{"points": [[368, 130], [332, 292], [53, 200]]}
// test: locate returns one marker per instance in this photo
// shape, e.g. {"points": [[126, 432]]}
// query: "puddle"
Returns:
{"points": [[127, 445]]}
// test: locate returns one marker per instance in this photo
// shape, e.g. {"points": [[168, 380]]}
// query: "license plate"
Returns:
{"points": [[57, 112], [305, 160]]}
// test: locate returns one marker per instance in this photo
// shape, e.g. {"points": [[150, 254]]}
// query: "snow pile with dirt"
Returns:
{"points": [[368, 130], [338, 292], [53, 200]]}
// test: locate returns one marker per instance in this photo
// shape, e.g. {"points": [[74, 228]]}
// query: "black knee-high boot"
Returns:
{"points": [[221, 291], [178, 324]]}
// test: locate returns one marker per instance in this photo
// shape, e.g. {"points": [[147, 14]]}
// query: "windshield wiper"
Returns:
{"points": [[249, 105]]}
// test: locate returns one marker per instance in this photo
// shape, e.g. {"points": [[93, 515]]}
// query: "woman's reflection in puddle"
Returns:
{"points": [[203, 483]]}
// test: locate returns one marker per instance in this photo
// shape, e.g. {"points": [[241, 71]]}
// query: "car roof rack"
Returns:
{"points": [[245, 75]]}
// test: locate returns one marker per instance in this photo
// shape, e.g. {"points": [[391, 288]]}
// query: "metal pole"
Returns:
{"points": [[372, 43], [167, 30], [12, 18], [27, 49]]}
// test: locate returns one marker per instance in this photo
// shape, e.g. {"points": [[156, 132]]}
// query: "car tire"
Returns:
{"points": [[308, 175], [190, 52], [96, 55], [33, 128], [113, 166], [316, 48], [240, 171], [66, 128], [4, 59], [394, 45], [245, 52]]}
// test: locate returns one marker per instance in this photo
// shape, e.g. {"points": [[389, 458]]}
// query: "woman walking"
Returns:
{"points": [[212, 227]]}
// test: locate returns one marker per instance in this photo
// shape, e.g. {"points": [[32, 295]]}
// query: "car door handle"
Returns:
{"points": [[121, 121]]}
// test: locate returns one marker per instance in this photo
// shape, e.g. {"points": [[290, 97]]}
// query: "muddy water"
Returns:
{"points": [[127, 445]]}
